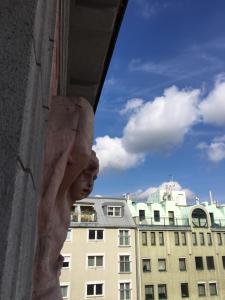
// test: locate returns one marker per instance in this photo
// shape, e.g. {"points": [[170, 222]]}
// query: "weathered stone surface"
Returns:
{"points": [[22, 121]]}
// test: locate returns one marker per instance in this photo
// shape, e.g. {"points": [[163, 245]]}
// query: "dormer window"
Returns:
{"points": [[199, 218], [114, 211]]}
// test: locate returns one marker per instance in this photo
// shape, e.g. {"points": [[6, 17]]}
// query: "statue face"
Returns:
{"points": [[84, 183]]}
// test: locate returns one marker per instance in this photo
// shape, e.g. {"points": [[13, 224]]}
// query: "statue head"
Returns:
{"points": [[83, 184]]}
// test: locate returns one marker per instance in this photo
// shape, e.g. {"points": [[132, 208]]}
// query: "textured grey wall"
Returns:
{"points": [[26, 44]]}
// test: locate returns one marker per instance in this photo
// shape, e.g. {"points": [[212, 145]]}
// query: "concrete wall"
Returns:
{"points": [[26, 39]]}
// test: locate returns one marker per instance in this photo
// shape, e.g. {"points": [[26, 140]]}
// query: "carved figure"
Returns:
{"points": [[70, 168]]}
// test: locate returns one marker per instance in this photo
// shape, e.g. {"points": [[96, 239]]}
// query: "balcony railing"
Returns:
{"points": [[218, 223], [84, 217], [163, 221]]}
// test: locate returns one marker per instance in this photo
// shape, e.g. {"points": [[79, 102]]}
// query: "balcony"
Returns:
{"points": [[218, 223], [163, 221], [84, 213]]}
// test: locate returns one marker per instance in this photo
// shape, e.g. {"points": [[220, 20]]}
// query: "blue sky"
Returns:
{"points": [[161, 115]]}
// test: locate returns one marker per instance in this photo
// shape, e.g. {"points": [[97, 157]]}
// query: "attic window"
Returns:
{"points": [[199, 218], [114, 211]]}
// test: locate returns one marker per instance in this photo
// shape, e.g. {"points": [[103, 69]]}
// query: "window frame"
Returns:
{"points": [[124, 237], [182, 259], [176, 238], [162, 260], [96, 235], [69, 235], [95, 283], [166, 295], [186, 285], [156, 214], [148, 260], [151, 288], [144, 240], [216, 288], [130, 289], [219, 239], [69, 261], [183, 238], [200, 259], [204, 285], [67, 284], [153, 238], [201, 238], [124, 262], [95, 255], [194, 239], [161, 238], [114, 211], [210, 263], [209, 239]]}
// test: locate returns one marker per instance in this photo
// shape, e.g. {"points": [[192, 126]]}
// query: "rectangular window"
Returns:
{"points": [[201, 289], [125, 291], [182, 264], [194, 239], [161, 239], [95, 261], [211, 218], [210, 263], [69, 235], [176, 238], [124, 237], [114, 211], [144, 238], [146, 264], [199, 263], [171, 217], [156, 215], [66, 262], [161, 264], [153, 239], [64, 290], [94, 234], [184, 290], [219, 239], [124, 263], [149, 292], [201, 238], [223, 261], [162, 291], [94, 289], [213, 289], [183, 238], [141, 214], [209, 239]]}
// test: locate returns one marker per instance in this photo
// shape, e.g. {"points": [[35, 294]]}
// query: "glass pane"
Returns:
{"points": [[99, 234], [64, 290], [91, 234], [117, 211], [99, 261], [91, 261], [98, 289], [90, 289]]}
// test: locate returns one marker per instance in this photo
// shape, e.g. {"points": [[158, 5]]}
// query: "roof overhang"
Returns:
{"points": [[89, 30]]}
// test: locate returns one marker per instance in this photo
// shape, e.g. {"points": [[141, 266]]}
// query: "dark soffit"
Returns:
{"points": [[93, 27]]}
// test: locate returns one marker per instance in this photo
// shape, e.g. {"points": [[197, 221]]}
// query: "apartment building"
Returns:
{"points": [[100, 252], [180, 247]]}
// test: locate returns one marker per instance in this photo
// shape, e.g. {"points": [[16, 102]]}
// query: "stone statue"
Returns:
{"points": [[70, 168]]}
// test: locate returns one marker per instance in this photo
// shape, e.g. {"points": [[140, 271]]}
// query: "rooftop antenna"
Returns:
{"points": [[211, 197]]}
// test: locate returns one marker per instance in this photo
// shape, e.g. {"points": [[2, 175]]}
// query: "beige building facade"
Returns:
{"points": [[180, 248], [100, 253]]}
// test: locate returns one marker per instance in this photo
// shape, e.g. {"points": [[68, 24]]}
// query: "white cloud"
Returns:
{"points": [[136, 64], [215, 151], [142, 195], [112, 154], [132, 105], [162, 123], [213, 107]]}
